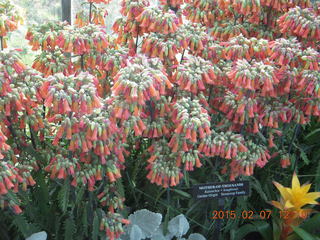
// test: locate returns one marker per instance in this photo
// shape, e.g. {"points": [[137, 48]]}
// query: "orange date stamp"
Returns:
{"points": [[248, 214]]}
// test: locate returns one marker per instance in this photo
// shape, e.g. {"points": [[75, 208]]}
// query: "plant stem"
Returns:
{"points": [[82, 62], [32, 138], [151, 111], [168, 195], [210, 92], [295, 134], [105, 84], [13, 132], [182, 56], [1, 39], [90, 12], [137, 40], [296, 130], [285, 125], [235, 19], [43, 117]]}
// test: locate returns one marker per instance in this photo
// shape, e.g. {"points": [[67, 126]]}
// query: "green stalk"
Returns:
{"points": [[1, 39], [137, 40], [90, 12]]}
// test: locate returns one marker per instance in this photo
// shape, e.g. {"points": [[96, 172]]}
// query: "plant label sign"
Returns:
{"points": [[221, 190]]}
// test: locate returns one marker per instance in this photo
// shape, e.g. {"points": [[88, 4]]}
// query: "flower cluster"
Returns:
{"points": [[285, 5], [192, 121], [301, 22], [17, 94], [284, 51], [194, 74], [60, 167], [44, 36], [138, 83], [212, 51], [156, 128], [193, 36], [52, 62], [224, 144], [112, 225], [9, 17], [189, 159], [202, 11], [132, 9], [10, 179], [127, 27], [76, 40], [240, 47], [159, 45], [310, 58], [11, 61], [94, 132], [111, 60], [246, 7], [245, 161], [111, 197], [225, 30], [309, 83], [72, 93], [164, 166], [255, 76], [98, 15], [240, 111], [155, 20]]}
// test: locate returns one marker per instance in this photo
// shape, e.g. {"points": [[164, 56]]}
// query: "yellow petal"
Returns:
{"points": [[305, 188], [277, 205], [283, 191], [288, 205], [313, 195], [295, 181]]}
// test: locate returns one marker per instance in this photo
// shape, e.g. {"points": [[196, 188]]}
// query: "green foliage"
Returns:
{"points": [[69, 228], [63, 196], [24, 226]]}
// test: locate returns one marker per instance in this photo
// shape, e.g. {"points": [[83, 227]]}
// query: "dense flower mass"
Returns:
{"points": [[9, 17], [177, 86]]}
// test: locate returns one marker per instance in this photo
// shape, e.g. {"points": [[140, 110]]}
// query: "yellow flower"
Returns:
{"points": [[295, 197]]}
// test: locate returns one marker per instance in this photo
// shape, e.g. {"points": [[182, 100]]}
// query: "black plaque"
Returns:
{"points": [[221, 190]]}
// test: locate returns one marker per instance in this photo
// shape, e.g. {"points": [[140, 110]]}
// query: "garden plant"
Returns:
{"points": [[182, 92]]}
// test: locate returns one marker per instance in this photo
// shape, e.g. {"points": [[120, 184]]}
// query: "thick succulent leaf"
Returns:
{"points": [[196, 236], [148, 221], [178, 226], [38, 236], [135, 233], [158, 235]]}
